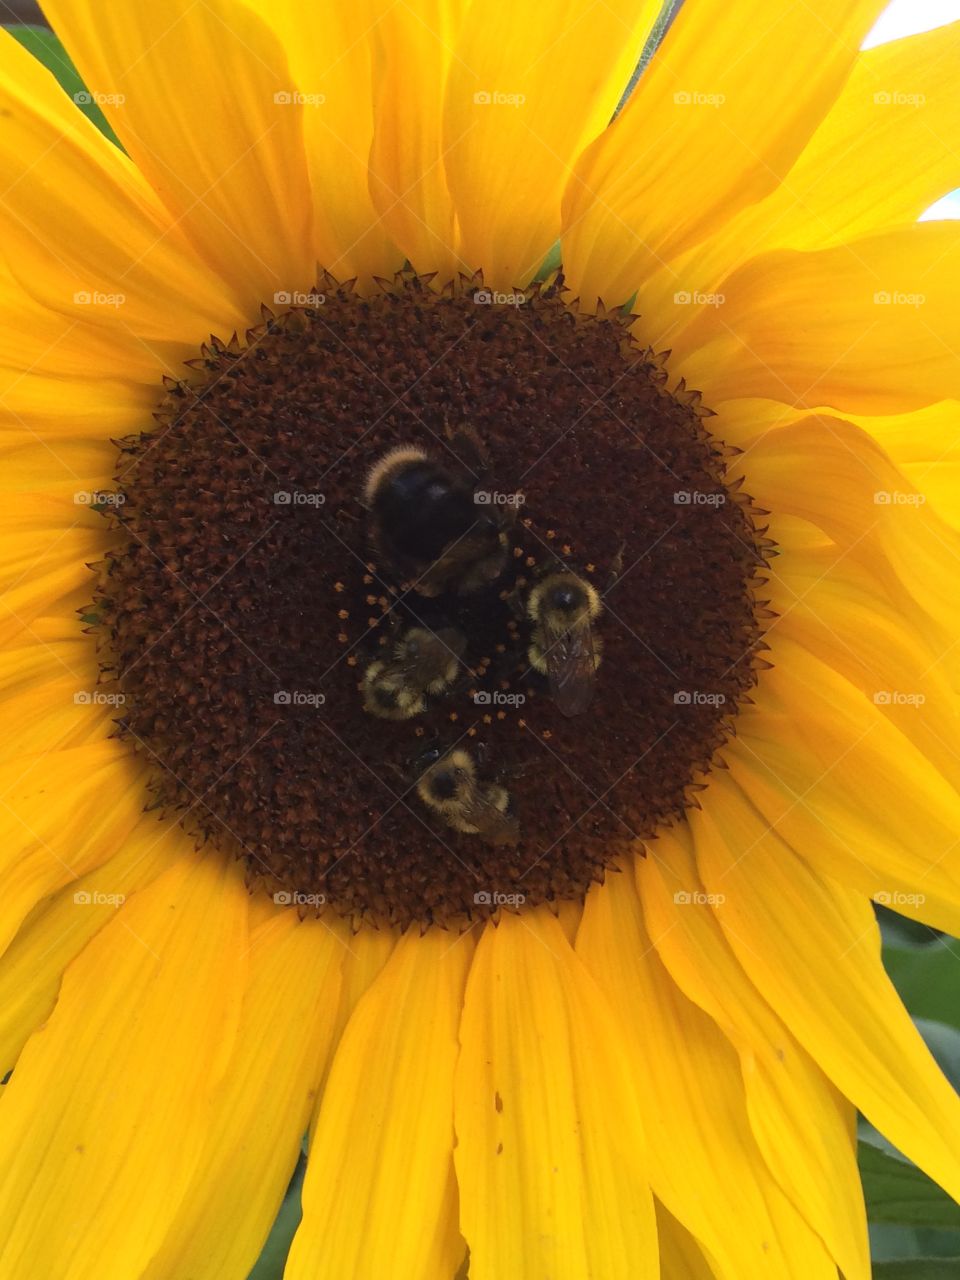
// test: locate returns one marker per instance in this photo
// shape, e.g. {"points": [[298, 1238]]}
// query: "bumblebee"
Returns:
{"points": [[451, 788], [423, 662], [563, 647], [429, 524]]}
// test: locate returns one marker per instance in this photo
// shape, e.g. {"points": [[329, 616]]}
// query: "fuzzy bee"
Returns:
{"points": [[428, 522], [423, 662], [451, 788], [563, 607]]}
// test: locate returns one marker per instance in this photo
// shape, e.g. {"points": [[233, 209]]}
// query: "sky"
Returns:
{"points": [[906, 17]]}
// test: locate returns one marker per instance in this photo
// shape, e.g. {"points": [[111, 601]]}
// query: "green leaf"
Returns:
{"points": [[896, 1191], [944, 1043], [891, 1242], [48, 50], [918, 1269], [551, 263], [901, 931], [928, 979]]}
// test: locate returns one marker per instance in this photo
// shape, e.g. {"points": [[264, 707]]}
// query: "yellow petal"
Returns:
{"points": [[83, 465], [260, 1112], [59, 929], [681, 1258], [890, 131], [704, 1164], [35, 336], [848, 789], [379, 1196], [886, 342], [240, 192], [48, 718], [801, 1124], [939, 482], [56, 646], [813, 950], [82, 231], [54, 409], [365, 954], [835, 608], [56, 590], [46, 542], [892, 128], [925, 445], [62, 814], [869, 510], [715, 122], [104, 1118], [528, 88], [330, 49], [550, 1150], [412, 54], [922, 439], [743, 421], [50, 698], [924, 436]]}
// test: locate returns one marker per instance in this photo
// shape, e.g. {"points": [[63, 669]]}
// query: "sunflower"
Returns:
{"points": [[479, 627]]}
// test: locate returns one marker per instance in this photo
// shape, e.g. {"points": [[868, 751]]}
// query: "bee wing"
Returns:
{"points": [[475, 547], [493, 825], [572, 669]]}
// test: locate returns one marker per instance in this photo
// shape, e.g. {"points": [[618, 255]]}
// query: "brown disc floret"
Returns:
{"points": [[248, 593]]}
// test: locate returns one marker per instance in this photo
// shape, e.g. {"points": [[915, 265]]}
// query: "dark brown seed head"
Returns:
{"points": [[248, 593]]}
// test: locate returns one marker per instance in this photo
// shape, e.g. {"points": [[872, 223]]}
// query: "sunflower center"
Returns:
{"points": [[423, 604]]}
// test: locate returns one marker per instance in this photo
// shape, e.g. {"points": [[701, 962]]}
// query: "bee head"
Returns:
{"points": [[411, 646], [564, 599], [443, 783]]}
